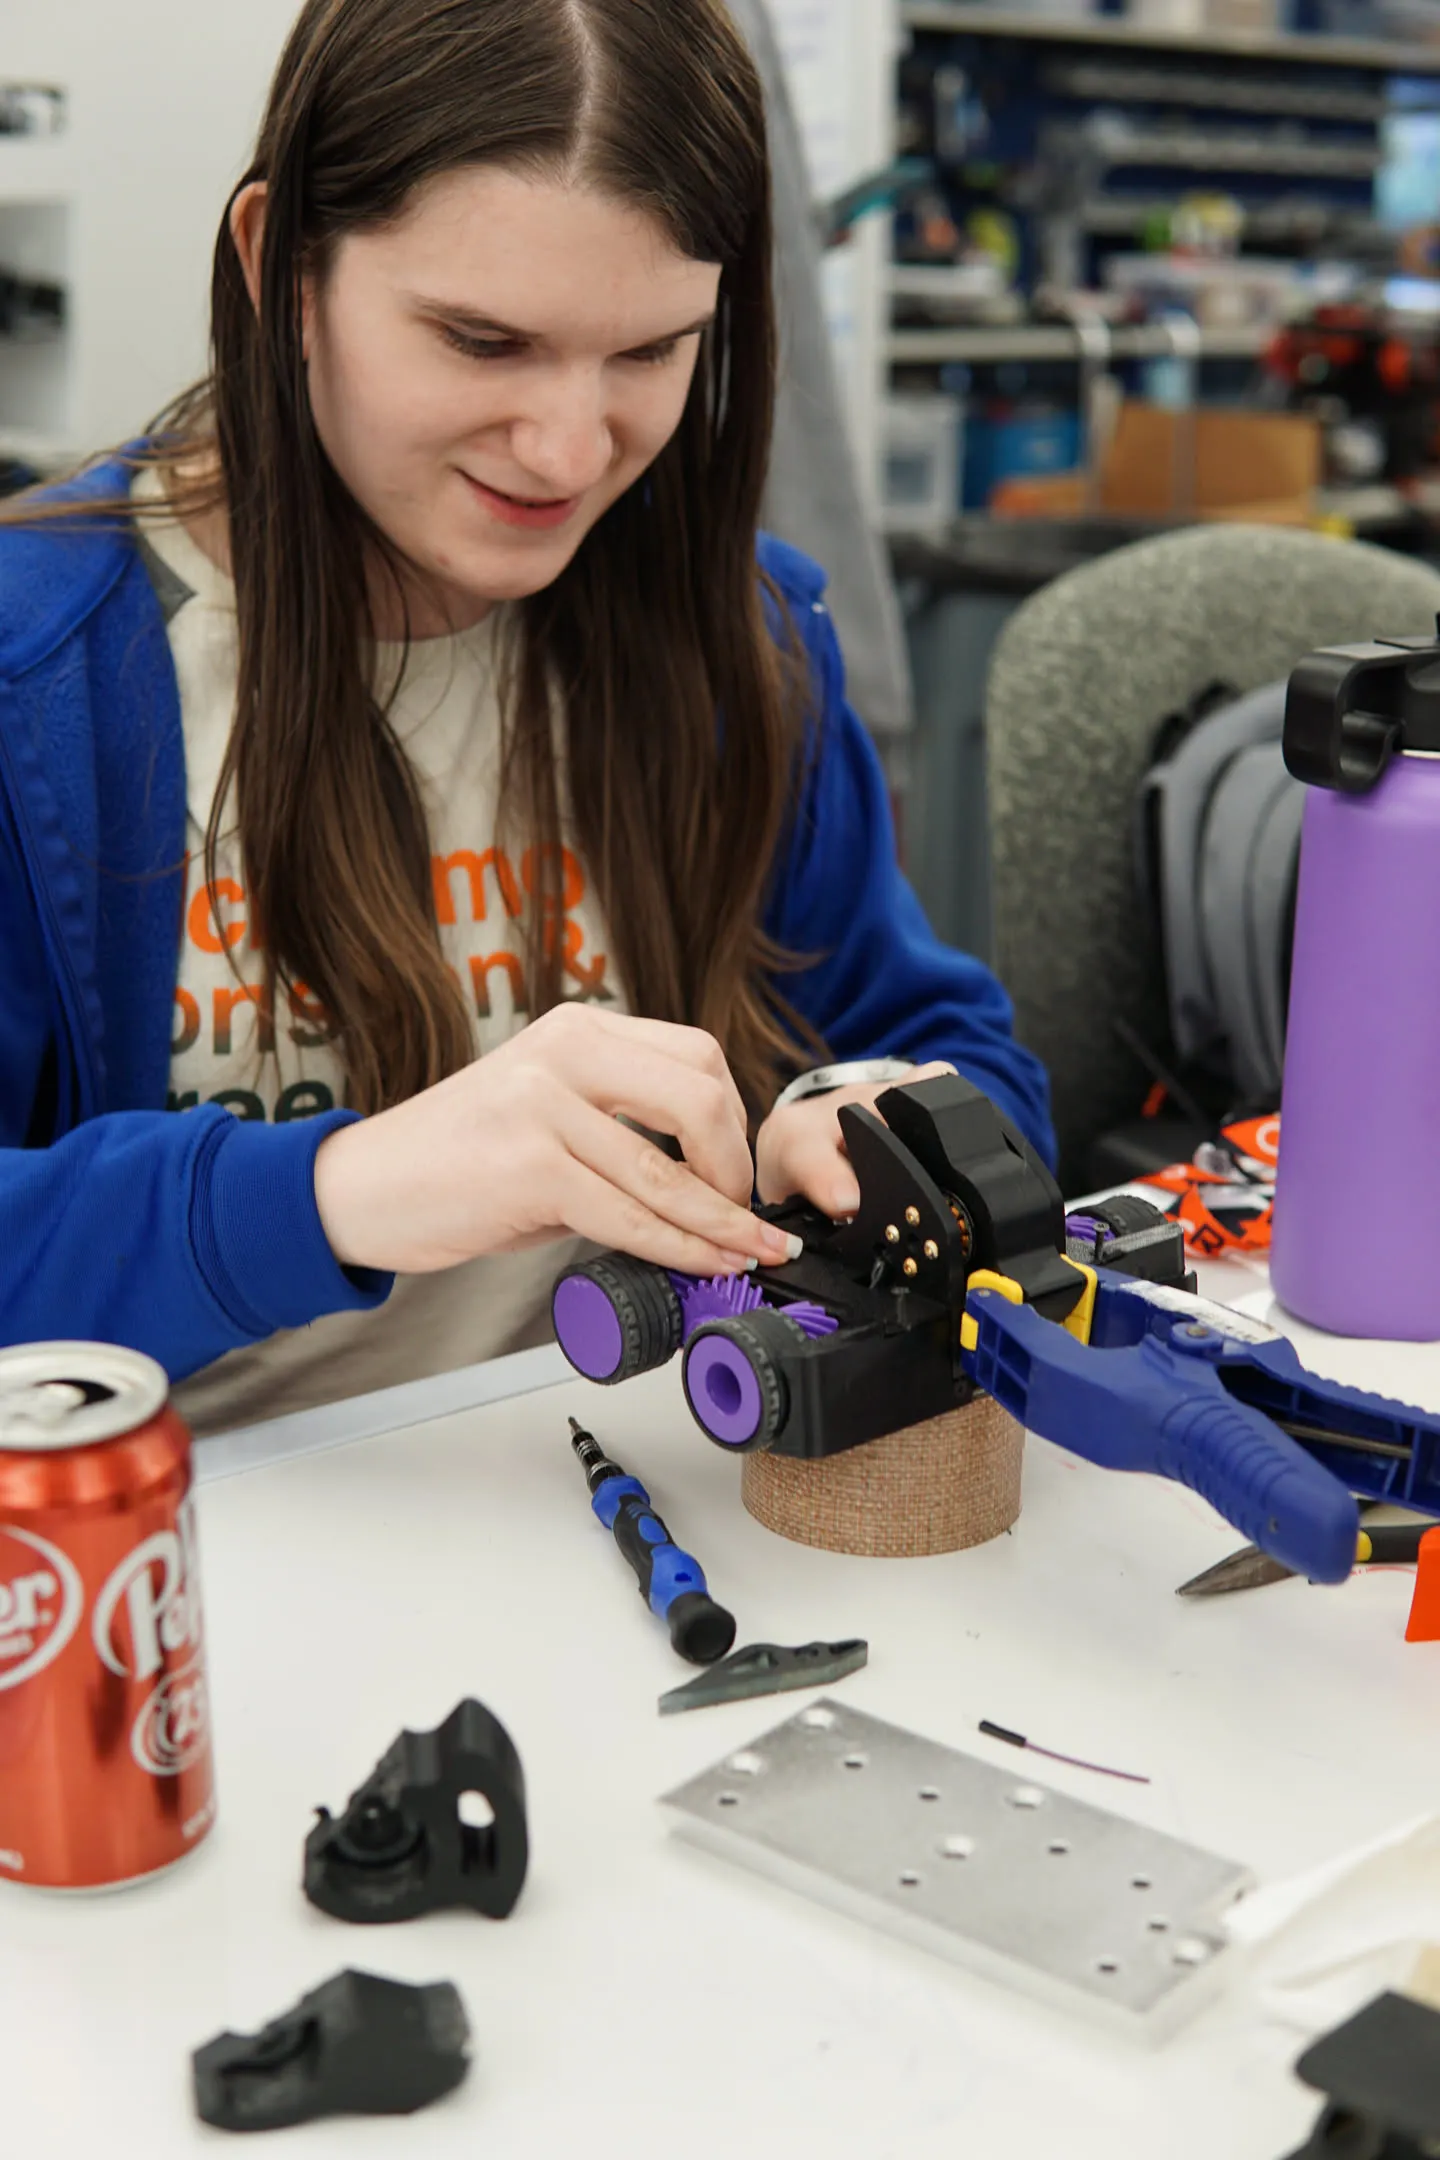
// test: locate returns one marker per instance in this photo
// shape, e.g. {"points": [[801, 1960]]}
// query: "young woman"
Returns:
{"points": [[413, 770]]}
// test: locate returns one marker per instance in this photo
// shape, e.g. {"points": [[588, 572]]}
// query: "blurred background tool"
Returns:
{"points": [[671, 1582], [1378, 1545]]}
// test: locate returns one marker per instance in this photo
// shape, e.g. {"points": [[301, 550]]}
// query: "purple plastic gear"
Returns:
{"points": [[726, 1297], [1088, 1227], [813, 1320], [720, 1297]]}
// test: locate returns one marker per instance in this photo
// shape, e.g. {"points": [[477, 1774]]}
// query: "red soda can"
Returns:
{"points": [[105, 1765]]}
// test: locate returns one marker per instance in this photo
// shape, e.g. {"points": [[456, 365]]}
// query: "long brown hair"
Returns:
{"points": [[683, 719]]}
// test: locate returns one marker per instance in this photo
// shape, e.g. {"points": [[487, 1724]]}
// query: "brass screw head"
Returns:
{"points": [[932, 1250], [892, 1235], [912, 1267], [912, 1216]]}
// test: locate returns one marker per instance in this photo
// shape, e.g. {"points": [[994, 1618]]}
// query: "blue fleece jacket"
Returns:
{"points": [[188, 1235]]}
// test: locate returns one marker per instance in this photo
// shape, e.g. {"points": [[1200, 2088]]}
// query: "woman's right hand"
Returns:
{"points": [[526, 1145]]}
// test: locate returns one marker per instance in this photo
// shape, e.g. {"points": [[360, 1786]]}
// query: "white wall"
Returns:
{"points": [[840, 58], [164, 96]]}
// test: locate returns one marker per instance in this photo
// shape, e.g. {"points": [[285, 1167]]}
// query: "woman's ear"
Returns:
{"points": [[247, 231]]}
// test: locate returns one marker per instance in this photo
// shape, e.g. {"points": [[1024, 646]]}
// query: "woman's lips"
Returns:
{"points": [[515, 510]]}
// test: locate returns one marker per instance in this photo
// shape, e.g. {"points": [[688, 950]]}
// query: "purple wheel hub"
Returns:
{"points": [[724, 1393], [587, 1327]]}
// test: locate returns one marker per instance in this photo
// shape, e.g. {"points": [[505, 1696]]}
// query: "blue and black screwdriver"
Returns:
{"points": [[671, 1583]]}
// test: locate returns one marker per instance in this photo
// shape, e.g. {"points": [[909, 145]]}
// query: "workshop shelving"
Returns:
{"points": [[36, 185], [1379, 55], [983, 345], [1114, 121]]}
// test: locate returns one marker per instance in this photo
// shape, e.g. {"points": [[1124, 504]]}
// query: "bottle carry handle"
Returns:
{"points": [[1350, 708]]}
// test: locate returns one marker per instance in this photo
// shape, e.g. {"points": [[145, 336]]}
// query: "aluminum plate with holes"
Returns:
{"points": [[1017, 1881]]}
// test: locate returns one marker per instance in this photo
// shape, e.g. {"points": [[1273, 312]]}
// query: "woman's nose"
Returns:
{"points": [[564, 438]]}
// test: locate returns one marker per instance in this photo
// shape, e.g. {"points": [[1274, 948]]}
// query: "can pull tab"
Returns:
{"points": [[44, 1407]]}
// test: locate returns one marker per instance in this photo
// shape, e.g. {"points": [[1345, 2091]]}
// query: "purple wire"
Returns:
{"points": [[1017, 1739]]}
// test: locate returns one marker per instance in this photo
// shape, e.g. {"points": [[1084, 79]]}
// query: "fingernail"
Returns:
{"points": [[794, 1246], [739, 1262], [845, 1199]]}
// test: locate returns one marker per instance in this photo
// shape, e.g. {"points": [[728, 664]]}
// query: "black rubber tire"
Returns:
{"points": [[1126, 1212], [763, 1338], [643, 1299]]}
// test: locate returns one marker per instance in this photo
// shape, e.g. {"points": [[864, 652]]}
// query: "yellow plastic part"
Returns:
{"points": [[1081, 1315], [1078, 1320], [985, 1278]]}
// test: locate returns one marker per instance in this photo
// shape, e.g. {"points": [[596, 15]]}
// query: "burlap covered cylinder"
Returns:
{"points": [[932, 1488]]}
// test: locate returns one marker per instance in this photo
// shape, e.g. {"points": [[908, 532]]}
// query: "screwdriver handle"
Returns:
{"points": [[1390, 1544], [672, 1583]]}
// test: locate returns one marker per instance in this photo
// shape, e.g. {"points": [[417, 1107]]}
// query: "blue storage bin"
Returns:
{"points": [[1017, 446]]}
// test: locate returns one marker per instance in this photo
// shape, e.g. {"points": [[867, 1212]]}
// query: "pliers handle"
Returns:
{"points": [[1162, 1405]]}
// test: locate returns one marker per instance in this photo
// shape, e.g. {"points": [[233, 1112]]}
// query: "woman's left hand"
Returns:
{"points": [[799, 1149]]}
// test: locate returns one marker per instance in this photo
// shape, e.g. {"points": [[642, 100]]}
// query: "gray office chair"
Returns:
{"points": [[1083, 674]]}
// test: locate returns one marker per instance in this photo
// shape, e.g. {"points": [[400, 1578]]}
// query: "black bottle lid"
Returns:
{"points": [[1350, 708]]}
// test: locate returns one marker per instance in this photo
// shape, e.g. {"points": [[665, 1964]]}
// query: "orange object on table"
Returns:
{"points": [[1424, 1622], [1213, 1230]]}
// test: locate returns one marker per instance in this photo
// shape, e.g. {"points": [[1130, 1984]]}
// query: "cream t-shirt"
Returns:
{"points": [[227, 1047]]}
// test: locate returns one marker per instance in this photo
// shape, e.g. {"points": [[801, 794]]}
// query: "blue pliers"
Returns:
{"points": [[1141, 1376]]}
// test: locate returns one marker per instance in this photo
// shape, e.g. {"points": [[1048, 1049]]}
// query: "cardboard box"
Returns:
{"points": [[1255, 467]]}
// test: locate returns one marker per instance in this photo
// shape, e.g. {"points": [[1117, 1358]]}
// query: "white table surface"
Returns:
{"points": [[646, 1998]]}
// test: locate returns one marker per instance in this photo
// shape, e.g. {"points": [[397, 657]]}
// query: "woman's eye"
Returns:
{"points": [[478, 348], [503, 348]]}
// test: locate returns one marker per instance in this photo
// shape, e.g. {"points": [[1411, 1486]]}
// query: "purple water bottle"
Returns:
{"points": [[1357, 1202]]}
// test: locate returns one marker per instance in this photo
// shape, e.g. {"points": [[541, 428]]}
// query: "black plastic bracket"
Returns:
{"points": [[767, 1669], [358, 2045], [1381, 2074], [402, 1846]]}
